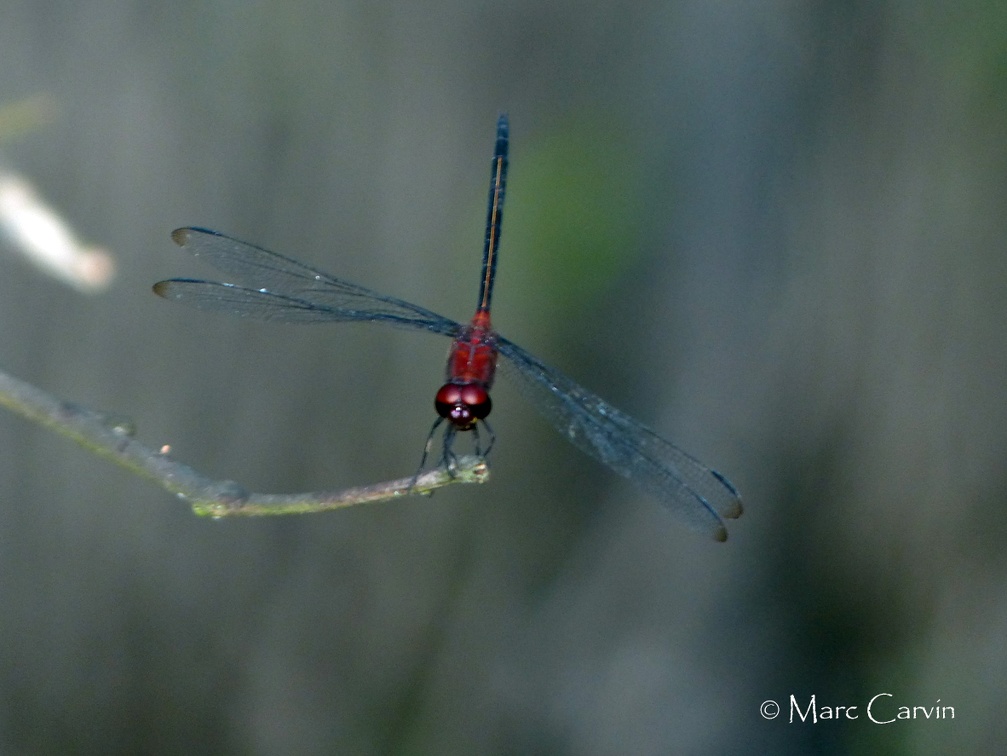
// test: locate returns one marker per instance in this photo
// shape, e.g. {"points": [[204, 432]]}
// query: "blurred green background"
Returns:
{"points": [[771, 231]]}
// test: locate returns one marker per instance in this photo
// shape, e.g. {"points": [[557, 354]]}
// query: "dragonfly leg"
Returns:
{"points": [[426, 451], [448, 457], [492, 438]]}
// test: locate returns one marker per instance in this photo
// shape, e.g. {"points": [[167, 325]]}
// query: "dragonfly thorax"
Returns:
{"points": [[462, 404]]}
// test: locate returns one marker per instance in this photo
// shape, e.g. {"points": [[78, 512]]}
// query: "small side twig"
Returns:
{"points": [[111, 436]]}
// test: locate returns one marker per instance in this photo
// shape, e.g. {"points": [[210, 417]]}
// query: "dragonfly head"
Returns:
{"points": [[462, 404]]}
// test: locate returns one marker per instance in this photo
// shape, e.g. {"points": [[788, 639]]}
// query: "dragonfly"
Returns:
{"points": [[268, 286]]}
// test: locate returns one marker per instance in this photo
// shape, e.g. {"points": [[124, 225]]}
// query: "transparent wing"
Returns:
{"points": [[269, 286], [679, 481]]}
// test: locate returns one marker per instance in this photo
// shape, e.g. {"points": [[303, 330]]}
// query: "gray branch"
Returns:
{"points": [[111, 436]]}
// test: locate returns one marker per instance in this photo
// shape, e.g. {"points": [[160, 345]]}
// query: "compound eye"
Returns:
{"points": [[448, 397], [462, 404], [477, 399]]}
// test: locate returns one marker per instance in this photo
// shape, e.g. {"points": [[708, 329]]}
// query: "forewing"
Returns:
{"points": [[679, 481], [269, 286]]}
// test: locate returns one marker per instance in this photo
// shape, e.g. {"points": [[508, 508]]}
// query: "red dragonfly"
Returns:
{"points": [[276, 288]]}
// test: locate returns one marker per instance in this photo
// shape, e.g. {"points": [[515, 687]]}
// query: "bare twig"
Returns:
{"points": [[111, 436]]}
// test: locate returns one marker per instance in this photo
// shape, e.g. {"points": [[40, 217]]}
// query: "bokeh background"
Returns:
{"points": [[772, 231]]}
